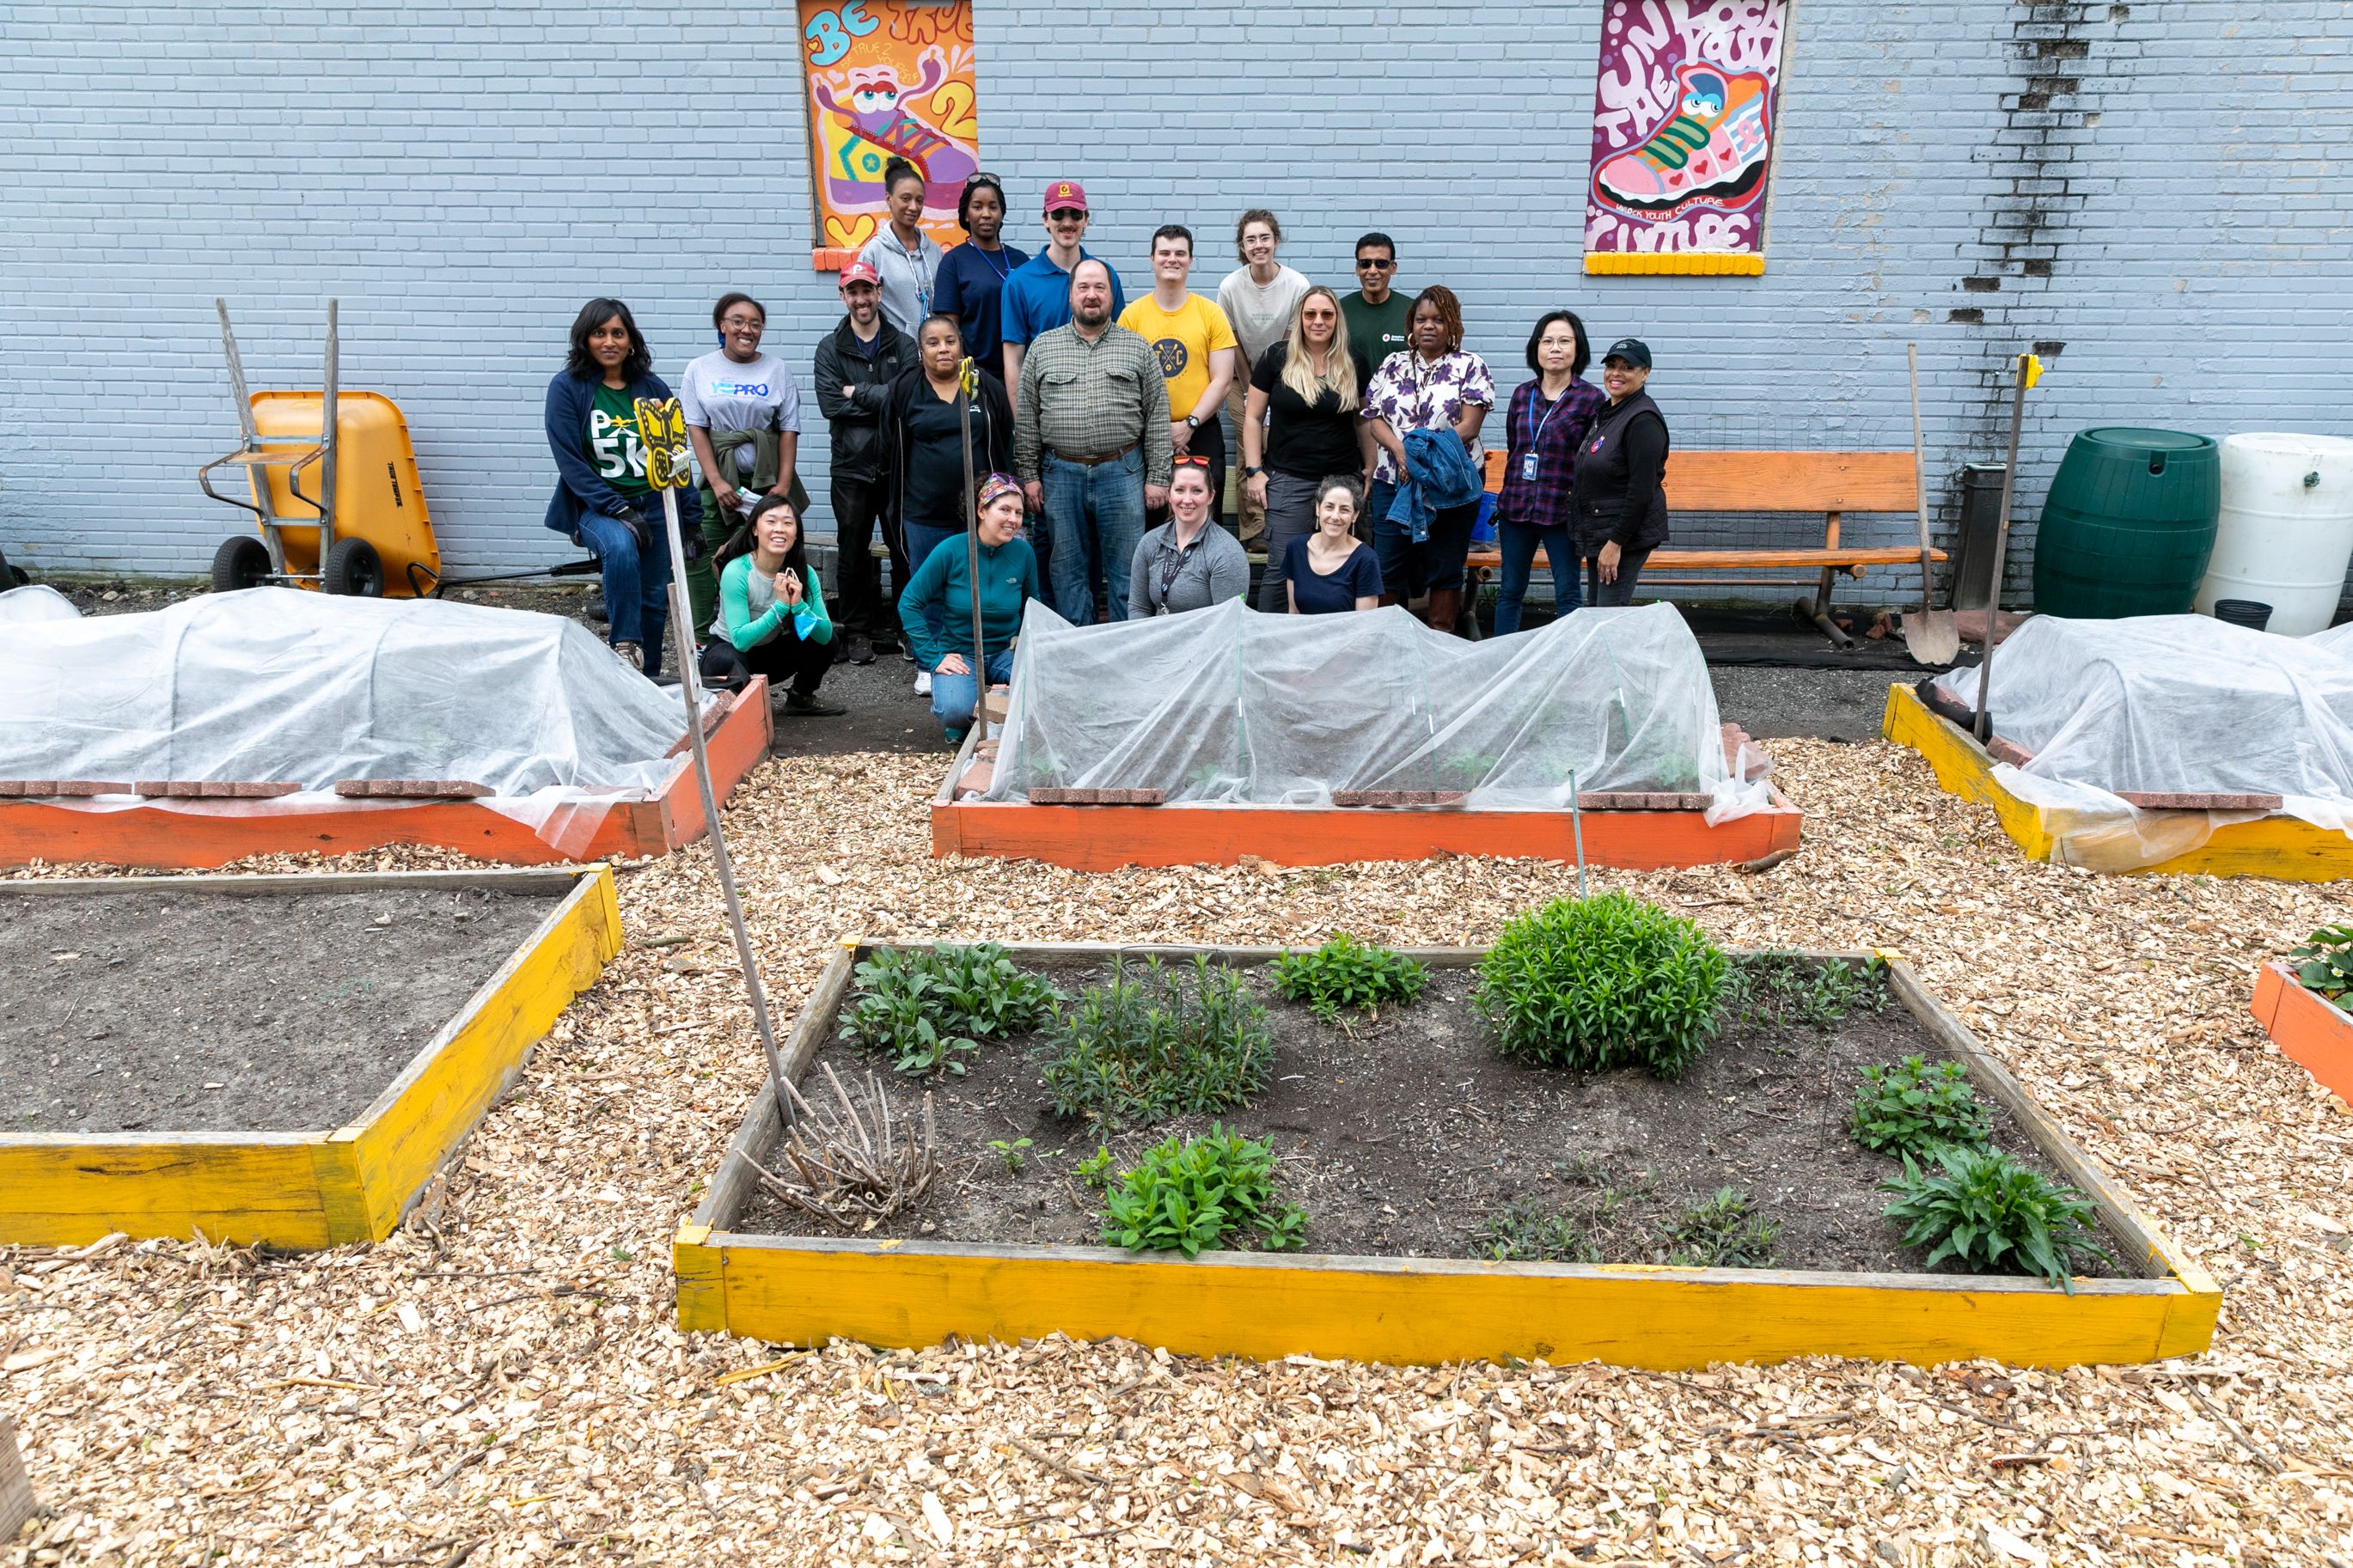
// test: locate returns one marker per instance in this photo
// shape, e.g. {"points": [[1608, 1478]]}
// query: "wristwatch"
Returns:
{"points": [[1192, 421], [1253, 472]]}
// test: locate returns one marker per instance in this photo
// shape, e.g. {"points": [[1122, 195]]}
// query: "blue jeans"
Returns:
{"points": [[1092, 512], [1519, 542], [1410, 570], [922, 539], [953, 696], [636, 585]]}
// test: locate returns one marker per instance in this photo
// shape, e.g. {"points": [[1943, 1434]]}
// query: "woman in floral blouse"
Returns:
{"points": [[1432, 385]]}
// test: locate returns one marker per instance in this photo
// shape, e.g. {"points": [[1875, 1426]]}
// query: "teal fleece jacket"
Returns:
{"points": [[1008, 580]]}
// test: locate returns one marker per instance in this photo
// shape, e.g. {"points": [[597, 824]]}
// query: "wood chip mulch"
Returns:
{"points": [[500, 1383]]}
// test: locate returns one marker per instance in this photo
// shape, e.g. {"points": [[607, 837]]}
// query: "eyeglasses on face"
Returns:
{"points": [[1375, 264]]}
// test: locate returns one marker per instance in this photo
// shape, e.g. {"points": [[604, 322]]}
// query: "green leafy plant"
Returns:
{"points": [[1147, 1045], [1912, 1105], [1530, 1232], [1990, 1213], [1096, 1169], [929, 1007], [1011, 1153], [2325, 962], [1722, 1232], [1603, 982], [1346, 974], [1190, 1194], [1785, 989]]}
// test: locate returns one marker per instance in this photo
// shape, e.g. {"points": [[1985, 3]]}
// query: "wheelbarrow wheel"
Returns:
{"points": [[352, 567], [241, 561]]}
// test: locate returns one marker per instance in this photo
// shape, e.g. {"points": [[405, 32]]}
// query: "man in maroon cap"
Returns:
{"points": [[1038, 295], [856, 363]]}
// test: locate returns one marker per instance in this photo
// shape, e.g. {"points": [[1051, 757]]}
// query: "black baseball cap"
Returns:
{"points": [[1633, 350]]}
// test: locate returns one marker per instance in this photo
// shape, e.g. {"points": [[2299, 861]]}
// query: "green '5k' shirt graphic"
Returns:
{"points": [[613, 443]]}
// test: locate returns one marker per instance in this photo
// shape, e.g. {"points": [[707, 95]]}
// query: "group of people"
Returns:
{"points": [[1357, 426]]}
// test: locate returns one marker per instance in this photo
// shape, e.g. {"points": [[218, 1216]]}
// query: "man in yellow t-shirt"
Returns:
{"points": [[1196, 350]]}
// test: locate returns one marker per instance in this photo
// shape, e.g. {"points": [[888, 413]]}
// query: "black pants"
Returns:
{"points": [[1606, 596], [1209, 441], [857, 509], [784, 658]]}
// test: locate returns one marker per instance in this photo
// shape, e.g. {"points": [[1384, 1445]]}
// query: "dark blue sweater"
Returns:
{"points": [[580, 490]]}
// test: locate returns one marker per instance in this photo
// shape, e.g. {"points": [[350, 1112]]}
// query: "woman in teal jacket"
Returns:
{"points": [[772, 618], [1008, 581]]}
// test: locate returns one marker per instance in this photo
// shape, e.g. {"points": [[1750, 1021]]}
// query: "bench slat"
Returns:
{"points": [[1668, 557], [1778, 481]]}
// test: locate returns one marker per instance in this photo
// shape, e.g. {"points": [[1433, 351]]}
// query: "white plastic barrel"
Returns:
{"points": [[2286, 528]]}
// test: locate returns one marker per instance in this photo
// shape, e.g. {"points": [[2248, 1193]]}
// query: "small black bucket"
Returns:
{"points": [[2251, 614]]}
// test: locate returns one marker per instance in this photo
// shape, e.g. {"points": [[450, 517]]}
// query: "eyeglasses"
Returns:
{"points": [[1366, 263], [1073, 214]]}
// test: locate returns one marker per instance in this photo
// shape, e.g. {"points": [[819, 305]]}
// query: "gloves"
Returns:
{"points": [[639, 529]]}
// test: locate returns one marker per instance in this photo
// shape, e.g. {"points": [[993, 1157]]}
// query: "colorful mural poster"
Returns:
{"points": [[886, 79], [1684, 106]]}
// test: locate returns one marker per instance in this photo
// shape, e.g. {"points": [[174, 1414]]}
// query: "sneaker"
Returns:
{"points": [[922, 683], [860, 651], [630, 654], [1710, 148], [888, 645], [807, 705]]}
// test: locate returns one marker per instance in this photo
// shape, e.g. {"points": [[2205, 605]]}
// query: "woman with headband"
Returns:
{"points": [[944, 583]]}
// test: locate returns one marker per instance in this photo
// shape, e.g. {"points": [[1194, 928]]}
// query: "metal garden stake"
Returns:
{"points": [[967, 388], [2029, 371]]}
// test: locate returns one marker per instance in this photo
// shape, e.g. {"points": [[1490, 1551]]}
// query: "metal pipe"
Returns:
{"points": [[2000, 548]]}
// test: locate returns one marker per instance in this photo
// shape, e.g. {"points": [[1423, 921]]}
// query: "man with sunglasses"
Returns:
{"points": [[1377, 313], [1037, 297]]}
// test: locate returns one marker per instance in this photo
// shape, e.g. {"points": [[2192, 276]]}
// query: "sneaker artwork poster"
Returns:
{"points": [[1685, 101], [887, 78]]}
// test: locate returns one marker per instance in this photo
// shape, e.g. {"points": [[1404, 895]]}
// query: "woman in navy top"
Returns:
{"points": [[1547, 421], [1327, 571]]}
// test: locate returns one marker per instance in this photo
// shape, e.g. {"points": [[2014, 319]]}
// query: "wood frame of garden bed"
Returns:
{"points": [[1265, 1306], [316, 1189], [1106, 837], [2309, 1029], [182, 836], [2284, 848]]}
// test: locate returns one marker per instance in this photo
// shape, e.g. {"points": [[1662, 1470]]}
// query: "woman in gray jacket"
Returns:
{"points": [[1188, 563]]}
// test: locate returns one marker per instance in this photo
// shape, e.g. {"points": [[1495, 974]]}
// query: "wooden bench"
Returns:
{"points": [[1830, 483]]}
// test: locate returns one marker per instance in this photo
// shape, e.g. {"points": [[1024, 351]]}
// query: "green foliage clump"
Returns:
{"points": [[1347, 974], [1190, 1194], [1785, 989], [929, 1007], [1912, 1107], [2324, 964], [1990, 1213], [1530, 1232], [1096, 1169], [1603, 982], [1722, 1232], [1145, 1045]]}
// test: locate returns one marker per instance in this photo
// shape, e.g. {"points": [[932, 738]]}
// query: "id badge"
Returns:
{"points": [[1528, 467]]}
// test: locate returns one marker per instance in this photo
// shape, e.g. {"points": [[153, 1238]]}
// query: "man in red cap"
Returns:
{"points": [[856, 363], [1038, 295]]}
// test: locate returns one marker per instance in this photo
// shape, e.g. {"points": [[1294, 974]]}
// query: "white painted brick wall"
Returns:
{"points": [[463, 176]]}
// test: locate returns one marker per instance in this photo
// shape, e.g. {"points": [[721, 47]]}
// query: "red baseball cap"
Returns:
{"points": [[860, 272], [1065, 194]]}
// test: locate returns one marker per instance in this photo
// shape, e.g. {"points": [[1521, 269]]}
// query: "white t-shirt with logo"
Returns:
{"points": [[720, 394]]}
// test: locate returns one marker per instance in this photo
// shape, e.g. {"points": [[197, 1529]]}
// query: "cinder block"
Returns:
{"points": [[1051, 796], [211, 789], [412, 789]]}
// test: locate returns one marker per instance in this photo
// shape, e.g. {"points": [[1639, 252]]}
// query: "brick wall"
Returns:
{"points": [[2151, 192]]}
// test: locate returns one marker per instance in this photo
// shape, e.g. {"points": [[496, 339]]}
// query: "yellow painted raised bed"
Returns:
{"points": [[2285, 848], [347, 1184], [796, 1290]]}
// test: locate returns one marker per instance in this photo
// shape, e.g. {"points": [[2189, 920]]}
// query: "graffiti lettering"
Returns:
{"points": [[830, 33]]}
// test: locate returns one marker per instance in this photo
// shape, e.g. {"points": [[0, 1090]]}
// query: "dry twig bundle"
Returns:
{"points": [[855, 1164]]}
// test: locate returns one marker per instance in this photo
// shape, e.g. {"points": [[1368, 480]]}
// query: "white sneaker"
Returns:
{"points": [[630, 654], [922, 683]]}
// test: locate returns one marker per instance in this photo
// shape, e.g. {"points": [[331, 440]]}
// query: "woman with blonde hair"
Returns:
{"points": [[1303, 424]]}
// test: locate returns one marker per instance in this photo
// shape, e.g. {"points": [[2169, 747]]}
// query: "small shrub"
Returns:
{"points": [[1194, 1193], [1013, 1154], [1528, 1232], [1911, 1107], [1993, 1214], [1785, 989], [1346, 974], [928, 1007], [1096, 1169], [1722, 1232], [1145, 1045], [1603, 982], [2324, 964]]}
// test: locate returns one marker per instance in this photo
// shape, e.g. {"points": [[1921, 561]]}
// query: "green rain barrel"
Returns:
{"points": [[2127, 525]]}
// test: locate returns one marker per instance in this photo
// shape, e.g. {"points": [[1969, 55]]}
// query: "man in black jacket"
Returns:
{"points": [[856, 363]]}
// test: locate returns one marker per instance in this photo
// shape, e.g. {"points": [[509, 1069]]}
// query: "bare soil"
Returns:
{"points": [[1407, 1135], [208, 1012]]}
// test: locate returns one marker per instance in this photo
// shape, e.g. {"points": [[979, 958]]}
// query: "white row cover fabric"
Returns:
{"points": [[2173, 703], [277, 685], [1226, 706], [37, 602]]}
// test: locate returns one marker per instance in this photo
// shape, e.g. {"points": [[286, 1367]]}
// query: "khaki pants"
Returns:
{"points": [[1250, 519]]}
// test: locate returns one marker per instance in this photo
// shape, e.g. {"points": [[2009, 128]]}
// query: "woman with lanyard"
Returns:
{"points": [[924, 448], [905, 257], [1619, 505], [1433, 385], [1188, 563], [1301, 424], [1546, 424], [970, 284]]}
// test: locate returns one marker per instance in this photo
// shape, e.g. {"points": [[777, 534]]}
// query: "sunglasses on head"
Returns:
{"points": [[1195, 462], [985, 179], [1376, 264]]}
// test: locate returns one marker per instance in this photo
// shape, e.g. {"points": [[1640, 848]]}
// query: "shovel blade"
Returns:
{"points": [[1930, 636]]}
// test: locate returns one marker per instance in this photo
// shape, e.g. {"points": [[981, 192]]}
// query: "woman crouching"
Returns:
{"points": [[772, 618]]}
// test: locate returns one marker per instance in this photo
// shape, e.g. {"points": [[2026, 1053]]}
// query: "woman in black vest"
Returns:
{"points": [[1618, 505]]}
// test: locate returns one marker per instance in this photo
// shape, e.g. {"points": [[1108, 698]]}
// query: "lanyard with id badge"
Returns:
{"points": [[1536, 432]]}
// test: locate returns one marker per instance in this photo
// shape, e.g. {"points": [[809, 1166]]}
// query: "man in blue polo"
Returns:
{"points": [[1038, 295]]}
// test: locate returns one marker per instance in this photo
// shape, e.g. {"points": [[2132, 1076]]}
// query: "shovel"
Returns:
{"points": [[1930, 637]]}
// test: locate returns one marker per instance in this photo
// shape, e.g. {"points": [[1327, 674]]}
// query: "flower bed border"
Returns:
{"points": [[316, 1189], [803, 1290], [2309, 1029]]}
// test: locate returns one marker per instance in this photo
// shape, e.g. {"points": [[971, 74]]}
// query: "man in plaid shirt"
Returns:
{"points": [[1091, 445]]}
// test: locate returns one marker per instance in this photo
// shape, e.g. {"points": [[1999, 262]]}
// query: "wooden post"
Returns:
{"points": [[15, 1487]]}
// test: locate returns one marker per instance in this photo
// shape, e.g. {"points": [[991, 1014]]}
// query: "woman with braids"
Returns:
{"points": [[1435, 387], [603, 500]]}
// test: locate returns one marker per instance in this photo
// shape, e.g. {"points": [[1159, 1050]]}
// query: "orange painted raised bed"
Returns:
{"points": [[2308, 1028], [186, 835]]}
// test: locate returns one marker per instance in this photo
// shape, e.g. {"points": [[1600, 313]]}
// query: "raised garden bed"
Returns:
{"points": [[2278, 846], [2308, 1028], [279, 1059], [1413, 1147], [1635, 832], [163, 826]]}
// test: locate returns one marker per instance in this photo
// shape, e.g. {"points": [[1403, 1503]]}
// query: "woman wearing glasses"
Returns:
{"points": [[1301, 424], [1188, 563]]}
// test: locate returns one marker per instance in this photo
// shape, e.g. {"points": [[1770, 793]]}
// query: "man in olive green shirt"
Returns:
{"points": [[1377, 313]]}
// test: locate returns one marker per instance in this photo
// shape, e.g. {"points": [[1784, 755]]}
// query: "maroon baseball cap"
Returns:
{"points": [[1065, 194], [860, 272]]}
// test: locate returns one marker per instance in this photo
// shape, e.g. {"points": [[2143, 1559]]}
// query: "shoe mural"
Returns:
{"points": [[1711, 149], [887, 78]]}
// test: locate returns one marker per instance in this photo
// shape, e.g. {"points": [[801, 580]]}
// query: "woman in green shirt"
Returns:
{"points": [[772, 618], [1008, 581]]}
